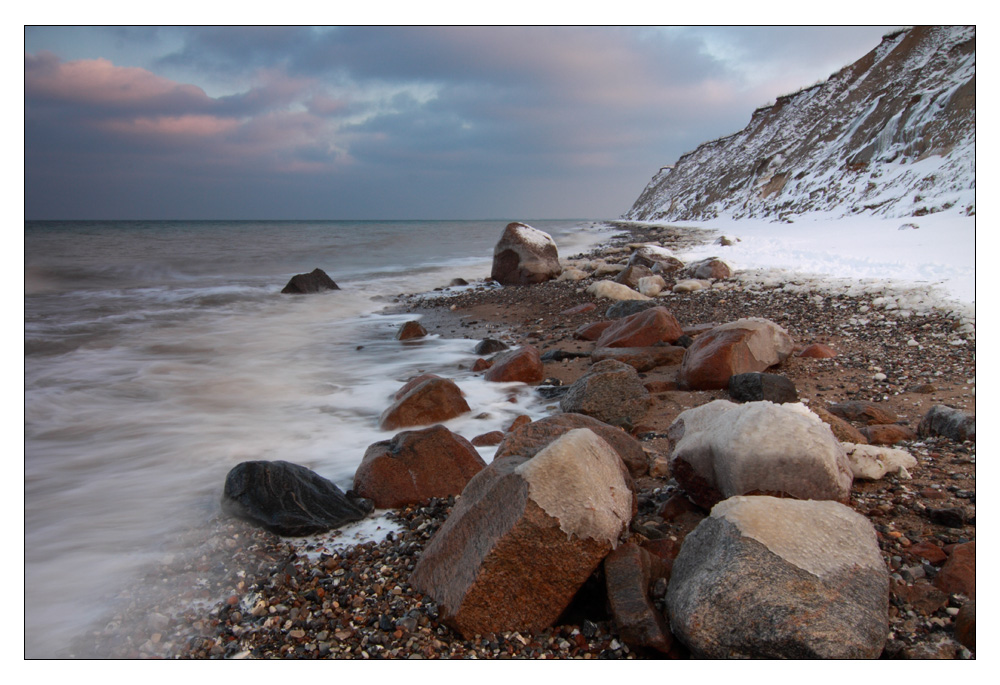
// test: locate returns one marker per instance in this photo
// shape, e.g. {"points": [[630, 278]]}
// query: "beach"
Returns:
{"points": [[323, 598]]}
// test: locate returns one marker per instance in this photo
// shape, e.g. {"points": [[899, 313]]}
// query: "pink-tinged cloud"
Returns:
{"points": [[188, 126], [99, 82]]}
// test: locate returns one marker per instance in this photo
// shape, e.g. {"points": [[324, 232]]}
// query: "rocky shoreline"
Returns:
{"points": [[290, 598]]}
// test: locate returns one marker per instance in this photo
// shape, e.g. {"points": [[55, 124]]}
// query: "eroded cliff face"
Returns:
{"points": [[893, 134]]}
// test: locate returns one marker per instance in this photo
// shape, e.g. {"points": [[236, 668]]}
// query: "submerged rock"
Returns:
{"points": [[313, 282], [430, 401], [288, 499]]}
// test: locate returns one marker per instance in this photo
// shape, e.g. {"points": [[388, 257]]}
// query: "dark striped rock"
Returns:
{"points": [[949, 423], [755, 387], [288, 499], [610, 392], [772, 578]]}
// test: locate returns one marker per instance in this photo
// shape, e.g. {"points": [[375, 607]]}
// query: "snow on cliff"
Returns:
{"points": [[892, 135]]}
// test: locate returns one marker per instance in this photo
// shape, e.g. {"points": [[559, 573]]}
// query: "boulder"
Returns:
{"points": [[711, 267], [628, 573], [965, 625], [410, 330], [488, 439], [651, 286], [613, 291], [870, 462], [313, 282], [958, 575], [430, 401], [490, 346], [863, 412], [611, 392], [416, 465], [756, 386], [949, 423], [641, 358], [887, 433], [737, 347], [591, 331], [642, 329], [630, 275], [525, 536], [623, 308], [771, 578], [817, 351], [412, 383], [523, 365], [529, 439], [288, 499], [844, 431], [524, 256], [722, 449]]}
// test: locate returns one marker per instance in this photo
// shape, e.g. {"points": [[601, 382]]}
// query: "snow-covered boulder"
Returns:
{"points": [[722, 449], [524, 255], [772, 578], [871, 462]]}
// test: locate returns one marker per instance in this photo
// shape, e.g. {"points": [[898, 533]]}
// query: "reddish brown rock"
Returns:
{"points": [[488, 439], [887, 433], [965, 625], [959, 573], [817, 351], [641, 358], [522, 420], [665, 550], [579, 309], [481, 365], [642, 329], [524, 255], [416, 465], [431, 401], [843, 431], [660, 386], [679, 509], [861, 411], [709, 268], [929, 551], [628, 573], [412, 383], [738, 347], [523, 365], [411, 330], [525, 535], [591, 331], [922, 596], [528, 440]]}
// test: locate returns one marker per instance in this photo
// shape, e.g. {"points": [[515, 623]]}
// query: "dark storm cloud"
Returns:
{"points": [[436, 122]]}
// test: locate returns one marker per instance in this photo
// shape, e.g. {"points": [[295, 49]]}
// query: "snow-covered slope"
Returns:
{"points": [[891, 135]]}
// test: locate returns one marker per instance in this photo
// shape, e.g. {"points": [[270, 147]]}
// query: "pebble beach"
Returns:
{"points": [[309, 598]]}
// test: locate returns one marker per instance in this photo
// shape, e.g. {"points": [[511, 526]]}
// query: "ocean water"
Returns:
{"points": [[158, 355]]}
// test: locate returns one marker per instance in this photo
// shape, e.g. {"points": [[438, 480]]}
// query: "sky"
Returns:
{"points": [[390, 123]]}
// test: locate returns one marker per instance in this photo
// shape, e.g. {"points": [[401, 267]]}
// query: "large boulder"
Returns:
{"points": [[949, 423], [416, 465], [531, 438], [525, 536], [722, 449], [772, 578], [430, 401], [740, 346], [288, 499], [611, 392], [642, 329], [524, 256], [523, 365], [313, 282], [712, 267]]}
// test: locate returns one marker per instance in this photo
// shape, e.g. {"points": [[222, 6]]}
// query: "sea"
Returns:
{"points": [[160, 354]]}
